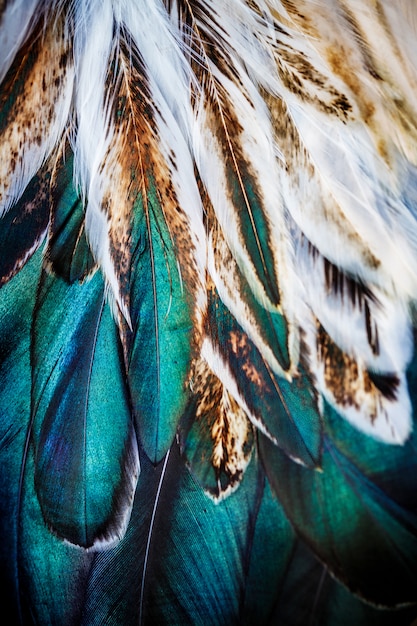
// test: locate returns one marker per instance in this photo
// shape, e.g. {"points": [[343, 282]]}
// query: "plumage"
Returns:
{"points": [[207, 312]]}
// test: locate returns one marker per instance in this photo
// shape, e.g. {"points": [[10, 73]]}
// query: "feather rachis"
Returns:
{"points": [[223, 128], [245, 179], [139, 184], [362, 192], [80, 499]]}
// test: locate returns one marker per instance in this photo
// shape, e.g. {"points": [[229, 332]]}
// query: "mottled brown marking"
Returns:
{"points": [[301, 78], [362, 42], [240, 346], [28, 99], [351, 385], [29, 218], [300, 18], [229, 428], [337, 59], [133, 165]]}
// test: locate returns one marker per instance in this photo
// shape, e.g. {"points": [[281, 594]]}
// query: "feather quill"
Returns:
{"points": [[86, 459], [227, 190]]}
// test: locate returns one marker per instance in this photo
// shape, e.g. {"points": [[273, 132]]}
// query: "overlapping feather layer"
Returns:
{"points": [[225, 194]]}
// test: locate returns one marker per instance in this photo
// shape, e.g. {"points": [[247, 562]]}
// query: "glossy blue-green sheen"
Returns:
{"points": [[82, 428], [366, 538], [288, 411], [52, 573], [255, 230], [206, 564], [271, 325], [40, 576], [159, 357], [17, 300], [271, 551], [393, 468], [68, 250], [309, 595]]}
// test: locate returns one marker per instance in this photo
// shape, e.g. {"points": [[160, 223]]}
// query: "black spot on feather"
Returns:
{"points": [[387, 384]]}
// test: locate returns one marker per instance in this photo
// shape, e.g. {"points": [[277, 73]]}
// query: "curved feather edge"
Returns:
{"points": [[67, 254], [338, 274], [29, 553], [143, 218], [216, 437], [202, 564], [309, 594], [231, 132], [375, 556], [86, 460], [289, 413], [23, 228]]}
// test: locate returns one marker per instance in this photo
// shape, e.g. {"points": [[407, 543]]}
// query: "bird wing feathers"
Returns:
{"points": [[207, 310]]}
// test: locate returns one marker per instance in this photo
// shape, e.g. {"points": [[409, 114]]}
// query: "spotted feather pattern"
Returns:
{"points": [[212, 206]]}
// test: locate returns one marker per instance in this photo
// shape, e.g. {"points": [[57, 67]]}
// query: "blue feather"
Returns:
{"points": [[207, 312]]}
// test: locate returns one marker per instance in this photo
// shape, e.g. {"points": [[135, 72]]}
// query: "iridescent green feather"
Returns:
{"points": [[367, 538], [287, 411], [84, 442], [68, 251], [159, 351], [185, 560]]}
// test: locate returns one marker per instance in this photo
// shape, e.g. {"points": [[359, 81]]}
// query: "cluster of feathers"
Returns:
{"points": [[208, 272]]}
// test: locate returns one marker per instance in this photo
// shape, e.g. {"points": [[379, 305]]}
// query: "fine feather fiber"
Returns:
{"points": [[208, 363]]}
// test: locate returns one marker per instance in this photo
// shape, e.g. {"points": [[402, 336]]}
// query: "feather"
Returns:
{"points": [[207, 311], [35, 104], [381, 527], [197, 560], [16, 303], [233, 155], [309, 595], [15, 21], [24, 227], [85, 487], [137, 226], [216, 435], [316, 117], [287, 412], [67, 254]]}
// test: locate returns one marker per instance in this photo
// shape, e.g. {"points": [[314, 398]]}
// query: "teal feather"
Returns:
{"points": [[67, 251], [287, 411], [51, 573], [253, 224], [41, 576], [268, 568], [17, 301], [310, 595], [216, 443], [86, 463], [193, 565], [159, 343], [368, 541], [268, 328], [207, 275]]}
